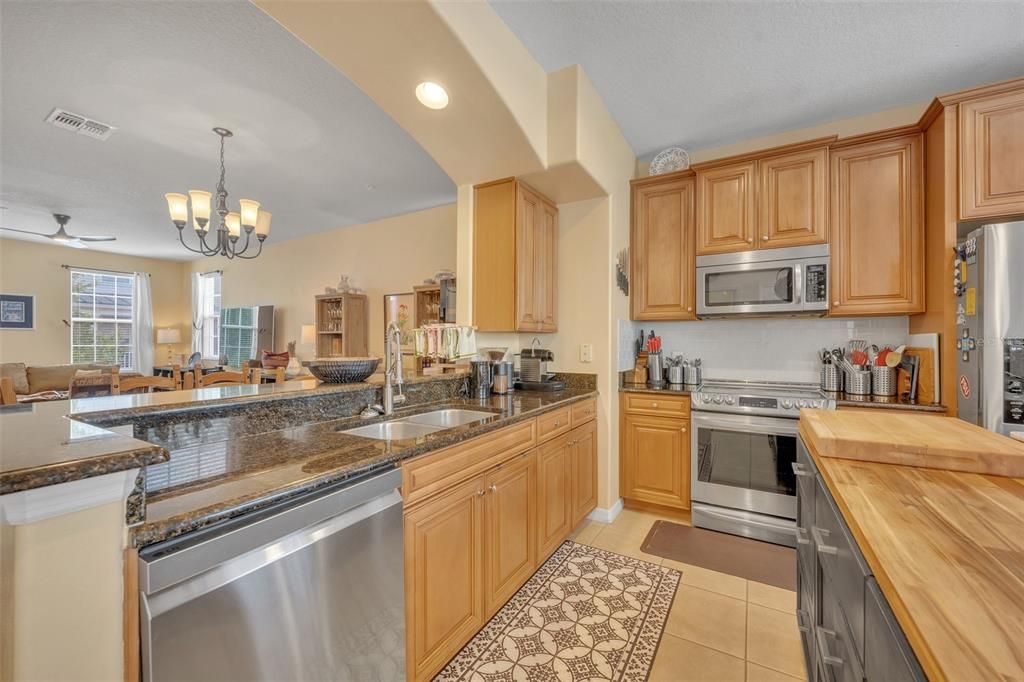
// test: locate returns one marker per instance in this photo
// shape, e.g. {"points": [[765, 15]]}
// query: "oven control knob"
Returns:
{"points": [[801, 403], [787, 404], [706, 399], [717, 399], [729, 400]]}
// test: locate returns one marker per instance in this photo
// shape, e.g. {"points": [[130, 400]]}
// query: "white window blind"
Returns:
{"points": [[211, 315], [101, 317]]}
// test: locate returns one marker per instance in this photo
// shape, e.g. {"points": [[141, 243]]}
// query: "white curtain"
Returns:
{"points": [[142, 326], [199, 284]]}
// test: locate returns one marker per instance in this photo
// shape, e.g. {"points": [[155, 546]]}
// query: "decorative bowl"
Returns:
{"points": [[669, 160], [342, 370]]}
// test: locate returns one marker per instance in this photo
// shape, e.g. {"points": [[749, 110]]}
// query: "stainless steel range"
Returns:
{"points": [[743, 450]]}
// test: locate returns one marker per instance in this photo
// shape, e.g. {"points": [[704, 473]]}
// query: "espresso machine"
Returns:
{"points": [[533, 370]]}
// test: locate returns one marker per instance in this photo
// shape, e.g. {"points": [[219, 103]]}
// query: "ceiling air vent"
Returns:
{"points": [[80, 124]]}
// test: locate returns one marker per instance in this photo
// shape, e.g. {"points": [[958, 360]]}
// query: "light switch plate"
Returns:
{"points": [[586, 352]]}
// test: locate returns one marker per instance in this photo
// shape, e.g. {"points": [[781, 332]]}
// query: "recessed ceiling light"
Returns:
{"points": [[432, 95]]}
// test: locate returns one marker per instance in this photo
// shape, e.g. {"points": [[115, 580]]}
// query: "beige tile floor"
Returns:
{"points": [[722, 628]]}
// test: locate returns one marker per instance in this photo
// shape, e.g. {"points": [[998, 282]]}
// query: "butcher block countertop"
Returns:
{"points": [[947, 547]]}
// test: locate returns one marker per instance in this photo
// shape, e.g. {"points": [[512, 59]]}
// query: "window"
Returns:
{"points": [[101, 317], [211, 315], [238, 327]]}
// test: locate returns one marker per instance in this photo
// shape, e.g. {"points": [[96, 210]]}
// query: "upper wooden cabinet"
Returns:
{"points": [[726, 208], [877, 208], [793, 199], [992, 156], [515, 257], [662, 249]]}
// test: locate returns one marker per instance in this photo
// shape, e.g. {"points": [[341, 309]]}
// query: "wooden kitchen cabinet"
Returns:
{"points": [[515, 258], [662, 243], [726, 208], [793, 199], [583, 444], [510, 550], [443, 576], [992, 156], [877, 216], [554, 495], [654, 455]]}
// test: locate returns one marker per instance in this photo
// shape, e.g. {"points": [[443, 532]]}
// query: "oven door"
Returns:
{"points": [[744, 462]]}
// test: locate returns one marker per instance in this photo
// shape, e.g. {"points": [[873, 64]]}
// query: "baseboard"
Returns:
{"points": [[606, 515]]}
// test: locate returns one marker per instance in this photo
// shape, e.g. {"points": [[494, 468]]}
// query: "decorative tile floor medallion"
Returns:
{"points": [[586, 614]]}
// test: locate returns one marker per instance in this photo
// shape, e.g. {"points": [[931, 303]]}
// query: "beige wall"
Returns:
{"points": [[35, 269], [384, 257]]}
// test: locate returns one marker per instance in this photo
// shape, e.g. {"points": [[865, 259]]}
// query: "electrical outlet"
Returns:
{"points": [[586, 352]]}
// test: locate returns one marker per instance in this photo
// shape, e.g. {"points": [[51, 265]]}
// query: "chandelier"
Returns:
{"points": [[249, 218]]}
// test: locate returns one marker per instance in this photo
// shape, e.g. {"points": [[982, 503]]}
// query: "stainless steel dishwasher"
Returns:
{"points": [[308, 590]]}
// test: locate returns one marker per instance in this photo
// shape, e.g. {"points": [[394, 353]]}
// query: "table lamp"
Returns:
{"points": [[169, 336]]}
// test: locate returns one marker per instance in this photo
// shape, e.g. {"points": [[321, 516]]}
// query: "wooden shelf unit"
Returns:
{"points": [[341, 325]]}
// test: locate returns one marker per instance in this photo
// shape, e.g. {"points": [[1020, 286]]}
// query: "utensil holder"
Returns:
{"points": [[655, 370], [675, 374], [692, 375], [883, 381], [858, 383], [831, 379]]}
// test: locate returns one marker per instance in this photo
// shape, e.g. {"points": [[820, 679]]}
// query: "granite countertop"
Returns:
{"points": [[673, 389], [47, 443], [947, 551], [253, 472], [887, 403]]}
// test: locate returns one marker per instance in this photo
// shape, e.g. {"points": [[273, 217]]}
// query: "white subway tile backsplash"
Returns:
{"points": [[784, 349]]}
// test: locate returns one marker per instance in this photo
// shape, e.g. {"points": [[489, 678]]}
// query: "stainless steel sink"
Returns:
{"points": [[396, 430], [448, 418]]}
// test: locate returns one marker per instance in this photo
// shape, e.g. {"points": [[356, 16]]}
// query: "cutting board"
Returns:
{"points": [[911, 440], [926, 394]]}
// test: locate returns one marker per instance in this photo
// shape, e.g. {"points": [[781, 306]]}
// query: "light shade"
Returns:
{"points": [[200, 209], [308, 335], [177, 205], [263, 223], [234, 223], [432, 95], [249, 210], [168, 335]]}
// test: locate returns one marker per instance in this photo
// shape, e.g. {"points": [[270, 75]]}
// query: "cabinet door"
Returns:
{"points": [[546, 267], [554, 495], [584, 471], [510, 545], [877, 227], [662, 251], [443, 577], [529, 242], [793, 199], [992, 156], [725, 208], [656, 460]]}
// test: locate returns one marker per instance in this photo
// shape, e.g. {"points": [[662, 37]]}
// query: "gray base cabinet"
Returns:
{"points": [[848, 630]]}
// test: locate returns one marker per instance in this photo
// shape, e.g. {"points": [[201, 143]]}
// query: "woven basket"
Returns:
{"points": [[342, 370]]}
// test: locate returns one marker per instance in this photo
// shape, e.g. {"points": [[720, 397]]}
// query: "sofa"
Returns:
{"points": [[45, 382]]}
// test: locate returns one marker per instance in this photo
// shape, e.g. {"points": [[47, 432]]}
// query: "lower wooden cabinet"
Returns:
{"points": [[443, 578], [510, 547], [654, 460], [584, 471], [554, 487]]}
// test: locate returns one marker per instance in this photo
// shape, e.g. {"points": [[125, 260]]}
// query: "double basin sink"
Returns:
{"points": [[418, 425]]}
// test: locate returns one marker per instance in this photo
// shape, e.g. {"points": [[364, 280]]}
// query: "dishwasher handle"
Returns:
{"points": [[174, 561]]}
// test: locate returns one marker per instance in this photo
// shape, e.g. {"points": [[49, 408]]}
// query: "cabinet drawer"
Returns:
{"points": [[553, 424], [841, 563], [666, 406], [583, 411], [887, 654], [424, 476], [835, 651], [805, 473]]}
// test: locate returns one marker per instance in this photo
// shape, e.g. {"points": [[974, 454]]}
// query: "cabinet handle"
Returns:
{"points": [[750, 240], [822, 547], [826, 656], [654, 405], [683, 429], [481, 493], [764, 237], [689, 309], [801, 621], [494, 488], [557, 424], [835, 302], [801, 536], [798, 470]]}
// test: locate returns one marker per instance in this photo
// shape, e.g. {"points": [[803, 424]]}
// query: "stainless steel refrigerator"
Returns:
{"points": [[989, 285]]}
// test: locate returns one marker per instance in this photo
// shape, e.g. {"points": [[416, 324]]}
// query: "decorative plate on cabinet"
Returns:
{"points": [[669, 160]]}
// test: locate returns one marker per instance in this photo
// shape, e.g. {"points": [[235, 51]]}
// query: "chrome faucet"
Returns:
{"points": [[392, 367]]}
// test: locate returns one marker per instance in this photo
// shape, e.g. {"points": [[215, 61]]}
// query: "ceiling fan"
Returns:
{"points": [[62, 237]]}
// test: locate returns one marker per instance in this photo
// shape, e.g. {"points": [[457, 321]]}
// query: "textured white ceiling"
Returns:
{"points": [[307, 141], [703, 74]]}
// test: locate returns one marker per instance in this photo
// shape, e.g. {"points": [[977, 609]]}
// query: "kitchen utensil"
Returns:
{"points": [[926, 388], [910, 364], [883, 381], [893, 358], [859, 357]]}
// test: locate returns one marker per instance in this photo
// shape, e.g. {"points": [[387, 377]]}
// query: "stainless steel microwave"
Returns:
{"points": [[791, 281]]}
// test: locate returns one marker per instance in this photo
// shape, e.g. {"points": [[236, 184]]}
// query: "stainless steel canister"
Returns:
{"points": [[883, 381], [691, 375], [480, 378], [676, 374], [858, 382], [831, 378], [502, 381], [655, 370]]}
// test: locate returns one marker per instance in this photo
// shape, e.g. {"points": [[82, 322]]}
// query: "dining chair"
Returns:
{"points": [[224, 377], [143, 384]]}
